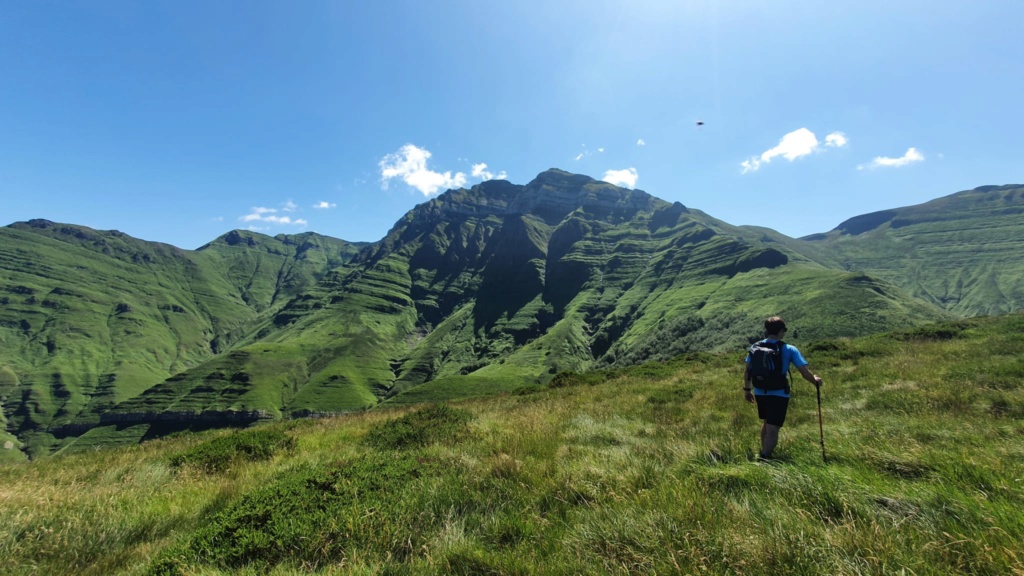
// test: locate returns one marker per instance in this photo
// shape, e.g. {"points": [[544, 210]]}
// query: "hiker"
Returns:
{"points": [[766, 380]]}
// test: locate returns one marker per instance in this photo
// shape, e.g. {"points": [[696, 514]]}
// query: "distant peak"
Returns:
{"points": [[59, 228], [558, 172], [236, 237], [561, 178], [41, 223], [998, 188]]}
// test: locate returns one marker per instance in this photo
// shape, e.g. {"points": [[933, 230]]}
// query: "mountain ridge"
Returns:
{"points": [[501, 285], [964, 255], [872, 220], [475, 291], [90, 318]]}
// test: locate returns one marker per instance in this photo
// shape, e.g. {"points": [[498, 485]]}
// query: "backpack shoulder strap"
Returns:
{"points": [[789, 367]]}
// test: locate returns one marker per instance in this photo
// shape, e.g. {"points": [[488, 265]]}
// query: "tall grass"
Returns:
{"points": [[641, 471]]}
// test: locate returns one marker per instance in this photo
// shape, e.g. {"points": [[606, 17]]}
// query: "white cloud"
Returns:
{"points": [[261, 214], [480, 171], [218, 219], [324, 205], [793, 145], [750, 165], [836, 140], [601, 150], [641, 142], [284, 220], [626, 178], [796, 144], [290, 206], [912, 155], [252, 216], [580, 155], [410, 165]]}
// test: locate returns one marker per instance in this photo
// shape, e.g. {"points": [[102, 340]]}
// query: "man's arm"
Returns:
{"points": [[748, 393], [810, 376]]}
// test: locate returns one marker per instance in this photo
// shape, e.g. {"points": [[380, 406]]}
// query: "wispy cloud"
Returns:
{"points": [[324, 205], [480, 171], [585, 152], [217, 219], [911, 156], [269, 215], [626, 178], [409, 164], [796, 144], [290, 206], [641, 142]]}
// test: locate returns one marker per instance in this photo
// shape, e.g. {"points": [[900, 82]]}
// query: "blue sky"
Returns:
{"points": [[178, 121]]}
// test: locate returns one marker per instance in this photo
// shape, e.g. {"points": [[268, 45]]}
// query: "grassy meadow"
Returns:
{"points": [[645, 470]]}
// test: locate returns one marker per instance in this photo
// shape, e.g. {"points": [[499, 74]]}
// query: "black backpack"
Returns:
{"points": [[765, 367]]}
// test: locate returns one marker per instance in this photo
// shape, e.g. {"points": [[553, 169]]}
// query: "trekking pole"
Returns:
{"points": [[821, 429]]}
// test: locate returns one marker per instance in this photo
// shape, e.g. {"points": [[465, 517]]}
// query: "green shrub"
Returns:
{"points": [[564, 379], [312, 517], [421, 428], [940, 331], [218, 454]]}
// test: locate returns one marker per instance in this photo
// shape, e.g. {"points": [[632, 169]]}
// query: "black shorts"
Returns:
{"points": [[772, 409]]}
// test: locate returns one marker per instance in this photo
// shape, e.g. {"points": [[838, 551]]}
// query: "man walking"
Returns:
{"points": [[766, 380]]}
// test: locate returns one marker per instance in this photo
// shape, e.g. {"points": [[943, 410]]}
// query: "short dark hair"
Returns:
{"points": [[774, 325]]}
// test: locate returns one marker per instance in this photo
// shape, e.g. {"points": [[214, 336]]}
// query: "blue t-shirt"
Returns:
{"points": [[790, 355]]}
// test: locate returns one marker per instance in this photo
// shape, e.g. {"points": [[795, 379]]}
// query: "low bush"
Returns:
{"points": [[430, 425], [564, 379], [313, 517], [220, 453], [941, 331]]}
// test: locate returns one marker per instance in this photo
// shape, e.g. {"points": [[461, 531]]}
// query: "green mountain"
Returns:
{"points": [[89, 319], [501, 285], [477, 291], [961, 252]]}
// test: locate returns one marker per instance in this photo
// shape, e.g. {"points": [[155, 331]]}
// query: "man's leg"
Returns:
{"points": [[769, 438]]}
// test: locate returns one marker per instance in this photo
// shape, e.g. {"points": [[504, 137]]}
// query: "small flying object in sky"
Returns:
{"points": [[700, 122]]}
